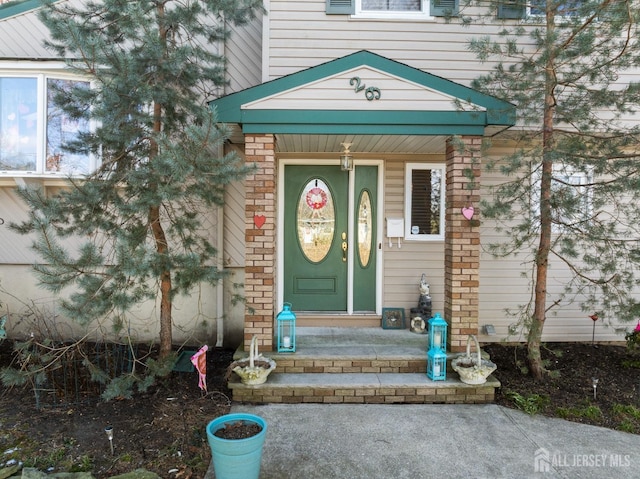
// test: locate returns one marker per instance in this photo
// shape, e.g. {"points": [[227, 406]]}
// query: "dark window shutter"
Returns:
{"points": [[443, 8], [510, 9], [421, 205], [341, 7]]}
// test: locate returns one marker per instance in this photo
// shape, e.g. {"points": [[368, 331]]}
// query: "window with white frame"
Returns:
{"points": [[571, 201], [568, 8], [393, 8], [424, 201], [391, 5], [518, 9], [33, 127]]}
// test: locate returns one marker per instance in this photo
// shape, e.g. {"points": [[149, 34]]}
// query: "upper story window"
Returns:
{"points": [[424, 201], [391, 5], [518, 9], [33, 127], [568, 8], [393, 9]]}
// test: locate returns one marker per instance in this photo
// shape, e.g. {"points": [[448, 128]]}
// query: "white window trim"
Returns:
{"points": [[409, 168], [563, 173], [424, 14], [41, 78], [539, 17]]}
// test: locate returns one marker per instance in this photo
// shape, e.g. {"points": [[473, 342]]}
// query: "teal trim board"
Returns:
{"points": [[330, 122], [12, 9]]}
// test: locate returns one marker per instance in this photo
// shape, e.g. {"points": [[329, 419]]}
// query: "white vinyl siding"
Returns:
{"points": [[504, 285], [243, 56], [431, 46], [403, 266], [234, 225], [301, 35]]}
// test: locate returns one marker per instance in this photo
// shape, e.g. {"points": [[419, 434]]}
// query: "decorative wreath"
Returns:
{"points": [[316, 198]]}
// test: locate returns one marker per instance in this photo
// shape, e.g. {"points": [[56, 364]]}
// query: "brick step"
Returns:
{"points": [[363, 388], [338, 360], [346, 364], [358, 365]]}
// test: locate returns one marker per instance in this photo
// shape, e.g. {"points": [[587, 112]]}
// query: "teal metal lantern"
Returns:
{"points": [[437, 365], [437, 333], [286, 321]]}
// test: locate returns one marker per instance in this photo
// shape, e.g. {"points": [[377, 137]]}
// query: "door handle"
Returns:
{"points": [[344, 247]]}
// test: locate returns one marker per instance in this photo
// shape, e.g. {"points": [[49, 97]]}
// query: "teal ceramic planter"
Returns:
{"points": [[236, 458]]}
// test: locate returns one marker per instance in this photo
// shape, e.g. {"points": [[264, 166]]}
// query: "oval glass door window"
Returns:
{"points": [[316, 220], [365, 223]]}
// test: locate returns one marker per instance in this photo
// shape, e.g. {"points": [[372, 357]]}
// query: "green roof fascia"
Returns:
{"points": [[12, 9], [364, 117], [336, 129], [363, 122], [228, 107]]}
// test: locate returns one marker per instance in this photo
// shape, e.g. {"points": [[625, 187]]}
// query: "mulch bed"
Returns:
{"points": [[569, 392]]}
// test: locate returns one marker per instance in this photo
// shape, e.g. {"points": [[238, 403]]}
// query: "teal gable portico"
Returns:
{"points": [[380, 106], [482, 111]]}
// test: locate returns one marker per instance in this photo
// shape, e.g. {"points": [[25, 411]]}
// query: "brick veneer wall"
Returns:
{"points": [[462, 241], [260, 242]]}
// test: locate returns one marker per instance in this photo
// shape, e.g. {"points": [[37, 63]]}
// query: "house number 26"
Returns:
{"points": [[371, 93]]}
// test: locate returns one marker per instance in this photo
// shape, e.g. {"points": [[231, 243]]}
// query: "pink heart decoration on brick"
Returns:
{"points": [[259, 220], [468, 212]]}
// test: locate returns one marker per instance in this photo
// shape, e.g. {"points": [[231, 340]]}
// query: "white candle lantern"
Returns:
{"points": [[437, 365], [437, 356], [286, 337], [437, 333]]}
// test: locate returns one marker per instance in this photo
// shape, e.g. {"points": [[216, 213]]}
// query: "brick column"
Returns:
{"points": [[462, 241], [260, 241]]}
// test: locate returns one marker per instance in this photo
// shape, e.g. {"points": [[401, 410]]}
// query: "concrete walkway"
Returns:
{"points": [[309, 441]]}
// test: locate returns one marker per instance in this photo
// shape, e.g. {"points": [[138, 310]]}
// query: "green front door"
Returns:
{"points": [[318, 263]]}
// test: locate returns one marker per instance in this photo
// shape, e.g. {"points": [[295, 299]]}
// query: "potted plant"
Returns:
{"points": [[473, 370], [236, 442], [255, 368]]}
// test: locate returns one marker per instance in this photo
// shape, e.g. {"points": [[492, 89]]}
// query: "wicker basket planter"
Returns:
{"points": [[473, 370], [255, 368]]}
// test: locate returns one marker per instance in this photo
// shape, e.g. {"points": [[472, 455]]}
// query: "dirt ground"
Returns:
{"points": [[163, 430], [569, 393]]}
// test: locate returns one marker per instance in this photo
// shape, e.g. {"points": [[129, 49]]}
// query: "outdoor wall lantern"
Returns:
{"points": [[346, 159], [286, 320]]}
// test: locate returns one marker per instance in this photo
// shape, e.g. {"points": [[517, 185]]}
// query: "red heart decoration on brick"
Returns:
{"points": [[468, 212], [259, 220]]}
